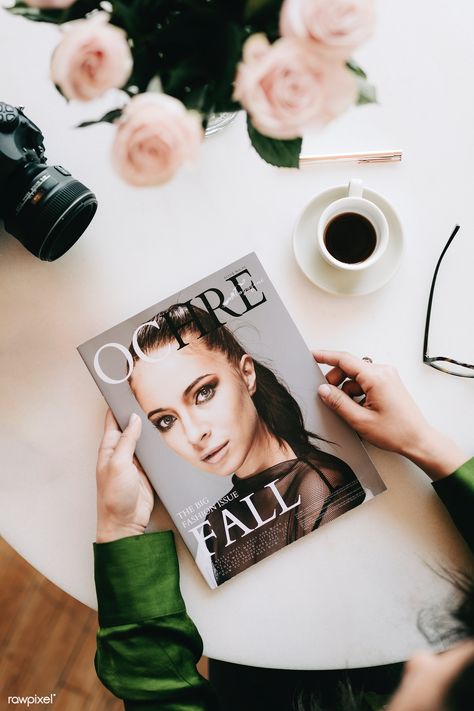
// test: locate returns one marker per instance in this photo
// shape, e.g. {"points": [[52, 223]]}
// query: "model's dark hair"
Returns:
{"points": [[274, 403]]}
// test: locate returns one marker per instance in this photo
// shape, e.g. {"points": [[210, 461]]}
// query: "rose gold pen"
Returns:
{"points": [[369, 157]]}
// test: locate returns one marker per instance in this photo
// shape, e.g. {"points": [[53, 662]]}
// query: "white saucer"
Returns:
{"points": [[334, 280]]}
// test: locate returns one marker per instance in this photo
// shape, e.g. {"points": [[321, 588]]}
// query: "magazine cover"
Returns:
{"points": [[235, 440]]}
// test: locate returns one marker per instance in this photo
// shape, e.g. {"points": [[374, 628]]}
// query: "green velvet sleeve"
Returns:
{"points": [[147, 646], [457, 493]]}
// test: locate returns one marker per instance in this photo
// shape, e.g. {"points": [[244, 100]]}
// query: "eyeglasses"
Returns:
{"points": [[453, 367]]}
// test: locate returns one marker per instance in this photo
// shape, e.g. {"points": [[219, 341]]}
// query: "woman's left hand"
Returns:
{"points": [[388, 416], [124, 494]]}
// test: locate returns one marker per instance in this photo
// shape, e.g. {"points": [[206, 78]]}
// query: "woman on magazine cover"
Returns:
{"points": [[226, 413]]}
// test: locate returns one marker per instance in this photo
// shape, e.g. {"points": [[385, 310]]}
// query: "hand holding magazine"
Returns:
{"points": [[234, 440]]}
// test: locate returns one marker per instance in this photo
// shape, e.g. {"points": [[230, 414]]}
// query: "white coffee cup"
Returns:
{"points": [[354, 202]]}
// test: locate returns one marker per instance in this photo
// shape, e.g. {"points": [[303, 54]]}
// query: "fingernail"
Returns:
{"points": [[324, 391]]}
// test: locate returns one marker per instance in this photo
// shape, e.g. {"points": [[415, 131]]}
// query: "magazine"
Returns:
{"points": [[235, 440]]}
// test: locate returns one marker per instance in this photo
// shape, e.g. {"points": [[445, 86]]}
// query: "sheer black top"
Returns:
{"points": [[262, 524]]}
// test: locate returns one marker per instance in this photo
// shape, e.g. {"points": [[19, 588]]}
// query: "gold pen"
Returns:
{"points": [[369, 157]]}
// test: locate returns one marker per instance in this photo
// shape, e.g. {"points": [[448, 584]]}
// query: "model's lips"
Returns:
{"points": [[215, 455]]}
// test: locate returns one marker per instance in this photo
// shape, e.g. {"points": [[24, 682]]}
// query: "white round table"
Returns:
{"points": [[349, 596]]}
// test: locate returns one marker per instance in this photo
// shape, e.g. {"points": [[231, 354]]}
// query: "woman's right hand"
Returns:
{"points": [[387, 416], [124, 494]]}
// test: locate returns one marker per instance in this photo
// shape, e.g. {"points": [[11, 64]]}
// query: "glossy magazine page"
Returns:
{"points": [[235, 441]]}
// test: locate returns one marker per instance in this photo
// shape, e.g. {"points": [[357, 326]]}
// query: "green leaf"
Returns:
{"points": [[263, 16], [367, 93], [284, 154], [36, 15], [109, 117], [229, 54], [58, 89], [354, 67], [78, 9]]}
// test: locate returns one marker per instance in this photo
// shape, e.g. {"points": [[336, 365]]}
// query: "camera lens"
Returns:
{"points": [[47, 209]]}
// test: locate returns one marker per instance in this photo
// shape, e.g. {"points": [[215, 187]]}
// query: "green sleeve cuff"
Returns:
{"points": [[137, 579], [456, 491]]}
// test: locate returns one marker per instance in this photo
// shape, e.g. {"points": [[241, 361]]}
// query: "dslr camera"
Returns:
{"points": [[43, 206]]}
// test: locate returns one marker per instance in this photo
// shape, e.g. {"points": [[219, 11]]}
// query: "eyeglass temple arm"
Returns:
{"points": [[430, 298]]}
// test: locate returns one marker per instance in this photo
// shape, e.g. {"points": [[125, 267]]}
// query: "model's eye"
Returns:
{"points": [[165, 423], [205, 393]]}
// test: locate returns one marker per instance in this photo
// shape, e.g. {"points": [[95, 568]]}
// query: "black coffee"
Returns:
{"points": [[350, 238]]}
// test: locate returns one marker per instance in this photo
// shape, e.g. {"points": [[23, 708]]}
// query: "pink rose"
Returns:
{"points": [[155, 136], [286, 87], [49, 4], [336, 27], [92, 57]]}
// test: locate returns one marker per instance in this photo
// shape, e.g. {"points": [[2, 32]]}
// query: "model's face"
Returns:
{"points": [[200, 404], [427, 679]]}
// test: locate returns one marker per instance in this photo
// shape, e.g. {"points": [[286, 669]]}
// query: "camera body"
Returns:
{"points": [[43, 206]]}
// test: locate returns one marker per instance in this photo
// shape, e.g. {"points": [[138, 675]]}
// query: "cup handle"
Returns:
{"points": [[356, 188]]}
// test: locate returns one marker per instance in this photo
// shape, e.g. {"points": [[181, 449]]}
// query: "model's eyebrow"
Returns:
{"points": [[195, 382], [154, 412], [186, 392]]}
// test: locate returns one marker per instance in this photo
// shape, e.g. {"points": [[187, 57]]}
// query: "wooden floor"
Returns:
{"points": [[47, 642]]}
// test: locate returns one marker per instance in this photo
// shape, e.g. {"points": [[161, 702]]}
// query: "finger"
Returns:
{"points": [[343, 405], [335, 376], [110, 438], [125, 448], [355, 367], [110, 423], [353, 389]]}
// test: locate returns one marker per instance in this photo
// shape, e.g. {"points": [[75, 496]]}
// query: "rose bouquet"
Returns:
{"points": [[286, 63]]}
